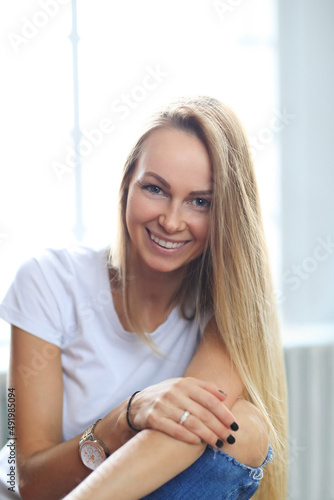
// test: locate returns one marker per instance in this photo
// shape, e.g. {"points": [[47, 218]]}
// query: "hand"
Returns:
{"points": [[161, 407]]}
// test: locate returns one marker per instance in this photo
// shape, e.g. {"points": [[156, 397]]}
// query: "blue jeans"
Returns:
{"points": [[215, 475]]}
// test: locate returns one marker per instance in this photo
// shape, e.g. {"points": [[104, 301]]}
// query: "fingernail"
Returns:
{"points": [[230, 439], [234, 426], [222, 392], [219, 443]]}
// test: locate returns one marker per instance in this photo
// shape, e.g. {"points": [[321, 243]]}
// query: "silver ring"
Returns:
{"points": [[184, 417]]}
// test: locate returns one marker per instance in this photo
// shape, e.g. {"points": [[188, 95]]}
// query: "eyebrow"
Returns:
{"points": [[167, 185], [160, 179]]}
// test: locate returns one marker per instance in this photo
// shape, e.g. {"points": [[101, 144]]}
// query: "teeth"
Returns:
{"points": [[165, 244]]}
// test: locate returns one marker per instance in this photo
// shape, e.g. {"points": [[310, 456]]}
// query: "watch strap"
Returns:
{"points": [[88, 435]]}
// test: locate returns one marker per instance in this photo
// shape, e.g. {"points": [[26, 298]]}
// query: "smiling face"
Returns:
{"points": [[169, 197]]}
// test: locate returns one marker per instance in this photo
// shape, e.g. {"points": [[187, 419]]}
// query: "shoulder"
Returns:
{"points": [[72, 261], [73, 256], [51, 287], [57, 278]]}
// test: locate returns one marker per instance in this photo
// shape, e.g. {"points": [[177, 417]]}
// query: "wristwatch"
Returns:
{"points": [[92, 451]]}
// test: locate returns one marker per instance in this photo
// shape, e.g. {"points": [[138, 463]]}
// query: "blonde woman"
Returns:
{"points": [[169, 357]]}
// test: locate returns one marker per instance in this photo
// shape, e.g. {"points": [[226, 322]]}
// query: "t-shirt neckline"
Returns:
{"points": [[131, 336]]}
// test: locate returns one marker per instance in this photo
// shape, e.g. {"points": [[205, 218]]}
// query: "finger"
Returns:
{"points": [[192, 431], [174, 422], [205, 393], [213, 389], [206, 426], [175, 430], [189, 389], [218, 392], [200, 422], [210, 417], [209, 402]]}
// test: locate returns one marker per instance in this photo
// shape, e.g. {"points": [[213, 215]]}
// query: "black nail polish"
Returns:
{"points": [[234, 426], [222, 392], [230, 439], [219, 443]]}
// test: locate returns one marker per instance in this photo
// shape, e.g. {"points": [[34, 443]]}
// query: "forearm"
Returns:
{"points": [[152, 458], [54, 472], [139, 467]]}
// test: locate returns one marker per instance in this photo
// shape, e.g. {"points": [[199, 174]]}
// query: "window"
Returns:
{"points": [[133, 56]]}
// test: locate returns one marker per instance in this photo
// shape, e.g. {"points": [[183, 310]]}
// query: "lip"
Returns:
{"points": [[166, 239], [163, 250]]}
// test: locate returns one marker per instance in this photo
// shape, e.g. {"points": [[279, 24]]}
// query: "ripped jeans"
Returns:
{"points": [[215, 475]]}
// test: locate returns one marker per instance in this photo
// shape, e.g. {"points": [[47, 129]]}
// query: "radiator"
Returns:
{"points": [[310, 375]]}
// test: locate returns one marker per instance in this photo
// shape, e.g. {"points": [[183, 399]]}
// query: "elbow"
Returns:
{"points": [[29, 488], [26, 486], [26, 491], [30, 492]]}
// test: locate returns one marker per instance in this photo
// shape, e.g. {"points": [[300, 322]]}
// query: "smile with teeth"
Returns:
{"points": [[166, 244]]}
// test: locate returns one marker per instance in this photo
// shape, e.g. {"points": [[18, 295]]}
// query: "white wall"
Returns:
{"points": [[306, 57]]}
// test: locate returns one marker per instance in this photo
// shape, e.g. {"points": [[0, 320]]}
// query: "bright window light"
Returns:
{"points": [[133, 56]]}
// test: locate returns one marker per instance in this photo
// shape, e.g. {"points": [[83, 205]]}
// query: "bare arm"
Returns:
{"points": [[152, 458], [42, 456], [143, 464]]}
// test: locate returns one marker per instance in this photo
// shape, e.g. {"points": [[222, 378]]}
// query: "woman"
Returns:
{"points": [[190, 277]]}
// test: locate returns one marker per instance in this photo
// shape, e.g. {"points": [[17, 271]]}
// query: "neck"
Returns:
{"points": [[151, 294], [153, 287]]}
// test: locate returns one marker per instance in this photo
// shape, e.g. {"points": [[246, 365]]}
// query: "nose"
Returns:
{"points": [[172, 219]]}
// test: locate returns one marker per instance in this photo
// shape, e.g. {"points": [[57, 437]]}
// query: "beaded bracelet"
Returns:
{"points": [[127, 413]]}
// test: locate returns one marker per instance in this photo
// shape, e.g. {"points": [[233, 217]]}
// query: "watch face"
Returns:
{"points": [[92, 454]]}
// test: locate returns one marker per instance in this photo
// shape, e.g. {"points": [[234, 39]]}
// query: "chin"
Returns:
{"points": [[164, 267]]}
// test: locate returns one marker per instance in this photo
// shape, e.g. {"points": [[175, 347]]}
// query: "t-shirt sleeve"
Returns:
{"points": [[31, 303]]}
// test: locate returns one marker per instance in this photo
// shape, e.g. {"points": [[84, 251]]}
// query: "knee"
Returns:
{"points": [[252, 438]]}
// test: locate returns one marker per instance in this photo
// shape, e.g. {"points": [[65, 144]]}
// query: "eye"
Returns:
{"points": [[201, 203], [152, 188]]}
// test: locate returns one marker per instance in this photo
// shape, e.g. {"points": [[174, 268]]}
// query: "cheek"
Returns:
{"points": [[137, 210], [201, 228], [132, 212]]}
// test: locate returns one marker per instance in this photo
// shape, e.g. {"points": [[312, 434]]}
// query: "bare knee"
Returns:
{"points": [[252, 438]]}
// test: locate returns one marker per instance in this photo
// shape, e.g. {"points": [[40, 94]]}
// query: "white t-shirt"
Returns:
{"points": [[64, 297]]}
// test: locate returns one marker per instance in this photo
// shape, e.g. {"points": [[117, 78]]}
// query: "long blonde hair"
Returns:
{"points": [[233, 274]]}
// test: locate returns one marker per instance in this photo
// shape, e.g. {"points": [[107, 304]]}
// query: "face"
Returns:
{"points": [[169, 198]]}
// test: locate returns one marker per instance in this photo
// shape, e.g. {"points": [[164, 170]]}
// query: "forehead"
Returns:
{"points": [[174, 153]]}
